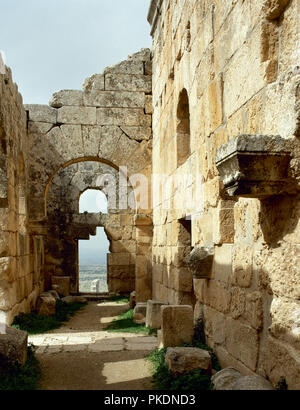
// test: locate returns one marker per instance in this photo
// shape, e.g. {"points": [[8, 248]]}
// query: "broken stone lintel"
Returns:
{"points": [[200, 262], [255, 166]]}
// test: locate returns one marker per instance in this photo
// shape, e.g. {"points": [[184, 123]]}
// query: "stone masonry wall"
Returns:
{"points": [[21, 254], [238, 63], [79, 137]]}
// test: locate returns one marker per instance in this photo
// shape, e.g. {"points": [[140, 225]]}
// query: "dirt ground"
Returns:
{"points": [[82, 356]]}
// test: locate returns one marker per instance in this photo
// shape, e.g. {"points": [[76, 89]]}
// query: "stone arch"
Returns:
{"points": [[66, 226]]}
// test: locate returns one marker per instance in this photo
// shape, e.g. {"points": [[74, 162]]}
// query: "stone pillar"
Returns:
{"points": [[143, 268]]}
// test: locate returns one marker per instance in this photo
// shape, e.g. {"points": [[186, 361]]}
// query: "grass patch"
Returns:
{"points": [[37, 324], [118, 299], [162, 379], [17, 377], [125, 323]]}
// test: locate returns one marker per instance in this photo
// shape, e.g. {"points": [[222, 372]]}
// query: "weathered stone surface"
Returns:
{"points": [[114, 99], [181, 360], [252, 383], [254, 166], [138, 133], [74, 299], [272, 9], [125, 82], [77, 115], [200, 262], [66, 97], [153, 315], [61, 284], [126, 67], [95, 82], [225, 379], [123, 116], [242, 342], [140, 312], [41, 113], [46, 304], [13, 346], [177, 325]]}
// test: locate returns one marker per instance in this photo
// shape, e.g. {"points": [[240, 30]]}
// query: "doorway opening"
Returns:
{"points": [[92, 253]]}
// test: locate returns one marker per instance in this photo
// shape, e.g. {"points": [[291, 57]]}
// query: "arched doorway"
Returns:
{"points": [[92, 253]]}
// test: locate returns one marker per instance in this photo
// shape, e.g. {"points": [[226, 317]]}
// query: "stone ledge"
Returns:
{"points": [[255, 166]]}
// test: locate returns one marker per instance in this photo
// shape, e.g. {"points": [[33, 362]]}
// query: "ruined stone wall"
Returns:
{"points": [[107, 123], [21, 254], [221, 69]]}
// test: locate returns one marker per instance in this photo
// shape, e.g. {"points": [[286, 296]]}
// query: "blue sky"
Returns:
{"points": [[52, 45], [55, 44]]}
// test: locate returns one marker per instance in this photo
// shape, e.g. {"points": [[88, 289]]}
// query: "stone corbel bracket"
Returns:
{"points": [[255, 166], [200, 262]]}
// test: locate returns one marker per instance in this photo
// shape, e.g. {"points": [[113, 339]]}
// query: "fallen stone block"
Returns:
{"points": [[177, 325], [225, 379], [46, 304], [181, 360], [13, 346], [139, 313], [153, 316]]}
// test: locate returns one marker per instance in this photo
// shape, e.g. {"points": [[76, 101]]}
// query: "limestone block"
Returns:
{"points": [[95, 82], [242, 265], [66, 97], [153, 316], [181, 360], [255, 382], [245, 75], [242, 342], [254, 310], [125, 82], [138, 133], [215, 323], [46, 304], [77, 115], [139, 313], [177, 325], [200, 262], [272, 9], [222, 269], [126, 67], [13, 346], [116, 259], [287, 363], [114, 99], [254, 176], [123, 116], [41, 113], [35, 127], [183, 280], [63, 283], [238, 302], [148, 104], [225, 379]]}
